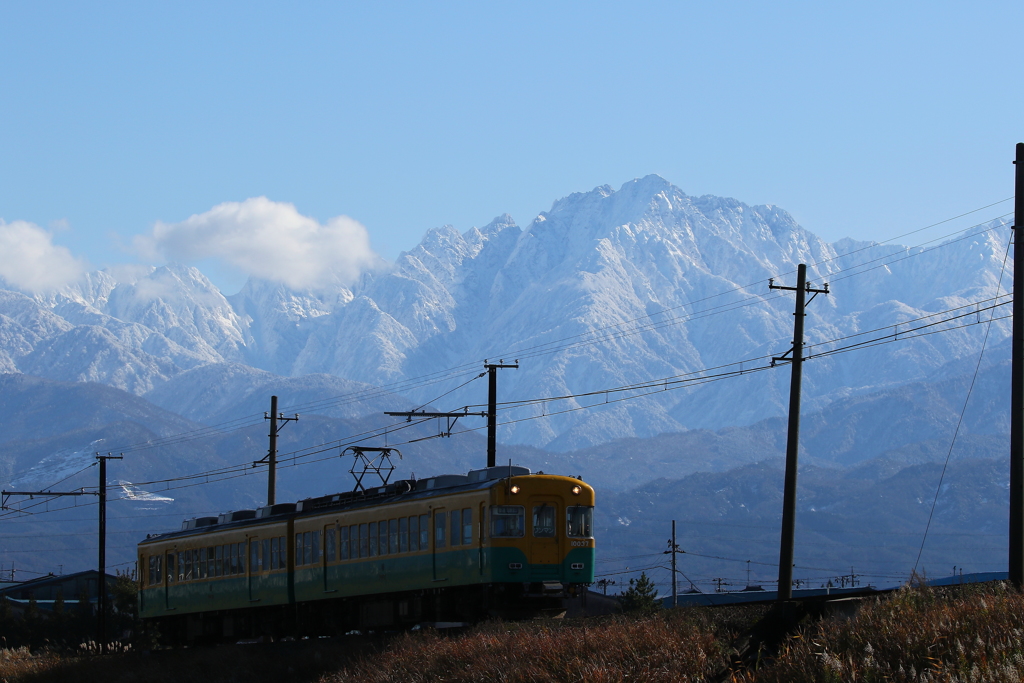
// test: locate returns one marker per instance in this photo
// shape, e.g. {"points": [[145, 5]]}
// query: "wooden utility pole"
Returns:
{"points": [[793, 436], [1017, 385]]}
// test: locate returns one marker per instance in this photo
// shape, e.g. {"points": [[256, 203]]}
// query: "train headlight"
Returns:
{"points": [[576, 490], [514, 489]]}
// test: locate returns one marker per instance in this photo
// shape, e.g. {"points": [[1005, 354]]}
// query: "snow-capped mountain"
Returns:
{"points": [[606, 289]]}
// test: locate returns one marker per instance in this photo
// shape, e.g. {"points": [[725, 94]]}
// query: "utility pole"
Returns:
{"points": [[101, 588], [793, 437], [271, 457], [673, 549], [491, 369], [101, 624], [492, 408], [1017, 385]]}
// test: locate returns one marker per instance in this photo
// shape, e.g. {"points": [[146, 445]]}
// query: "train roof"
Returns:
{"points": [[403, 489]]}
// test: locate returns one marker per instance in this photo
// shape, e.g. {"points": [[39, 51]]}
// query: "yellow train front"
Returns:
{"points": [[454, 548]]}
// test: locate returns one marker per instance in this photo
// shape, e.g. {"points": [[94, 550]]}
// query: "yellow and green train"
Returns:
{"points": [[453, 548]]}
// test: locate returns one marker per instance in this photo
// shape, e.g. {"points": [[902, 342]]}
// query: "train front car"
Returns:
{"points": [[497, 542], [541, 540]]}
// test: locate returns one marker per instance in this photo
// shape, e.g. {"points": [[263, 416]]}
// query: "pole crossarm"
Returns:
{"points": [[6, 495], [451, 418]]}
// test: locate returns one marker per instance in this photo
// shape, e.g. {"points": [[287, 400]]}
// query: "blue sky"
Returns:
{"points": [[866, 120]]}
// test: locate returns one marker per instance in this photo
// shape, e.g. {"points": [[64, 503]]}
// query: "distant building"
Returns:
{"points": [[46, 589]]}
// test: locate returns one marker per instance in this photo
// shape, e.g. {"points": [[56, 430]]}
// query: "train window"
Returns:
{"points": [[186, 566], [455, 537], [298, 548], [231, 559], [439, 519], [154, 570], [181, 566], [202, 563], [343, 543], [382, 539], [170, 567], [265, 555], [507, 521], [424, 532], [364, 540], [282, 552], [274, 551], [467, 526], [403, 535], [414, 533], [254, 555], [218, 567], [241, 558], [544, 520], [393, 535], [580, 521], [312, 547], [373, 539], [330, 538]]}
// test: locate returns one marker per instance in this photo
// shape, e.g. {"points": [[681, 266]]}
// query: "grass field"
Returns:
{"points": [[916, 634]]}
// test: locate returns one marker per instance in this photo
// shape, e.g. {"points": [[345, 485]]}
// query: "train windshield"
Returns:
{"points": [[508, 521], [580, 521]]}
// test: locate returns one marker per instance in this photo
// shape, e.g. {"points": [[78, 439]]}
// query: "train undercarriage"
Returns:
{"points": [[436, 607]]}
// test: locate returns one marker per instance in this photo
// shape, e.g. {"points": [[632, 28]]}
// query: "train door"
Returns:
{"points": [[544, 536], [480, 538], [253, 569], [439, 558], [169, 577], [327, 557]]}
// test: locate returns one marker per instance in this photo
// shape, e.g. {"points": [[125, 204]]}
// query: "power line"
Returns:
{"points": [[541, 349], [970, 390]]}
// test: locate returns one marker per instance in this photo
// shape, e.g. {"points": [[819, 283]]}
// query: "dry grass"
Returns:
{"points": [[917, 634], [644, 649], [965, 634]]}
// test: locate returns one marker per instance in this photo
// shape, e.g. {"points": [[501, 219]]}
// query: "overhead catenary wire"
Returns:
{"points": [[659, 385], [963, 411], [242, 469], [442, 375], [733, 306]]}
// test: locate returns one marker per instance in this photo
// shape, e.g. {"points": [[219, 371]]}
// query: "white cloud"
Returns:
{"points": [[269, 240], [29, 259]]}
